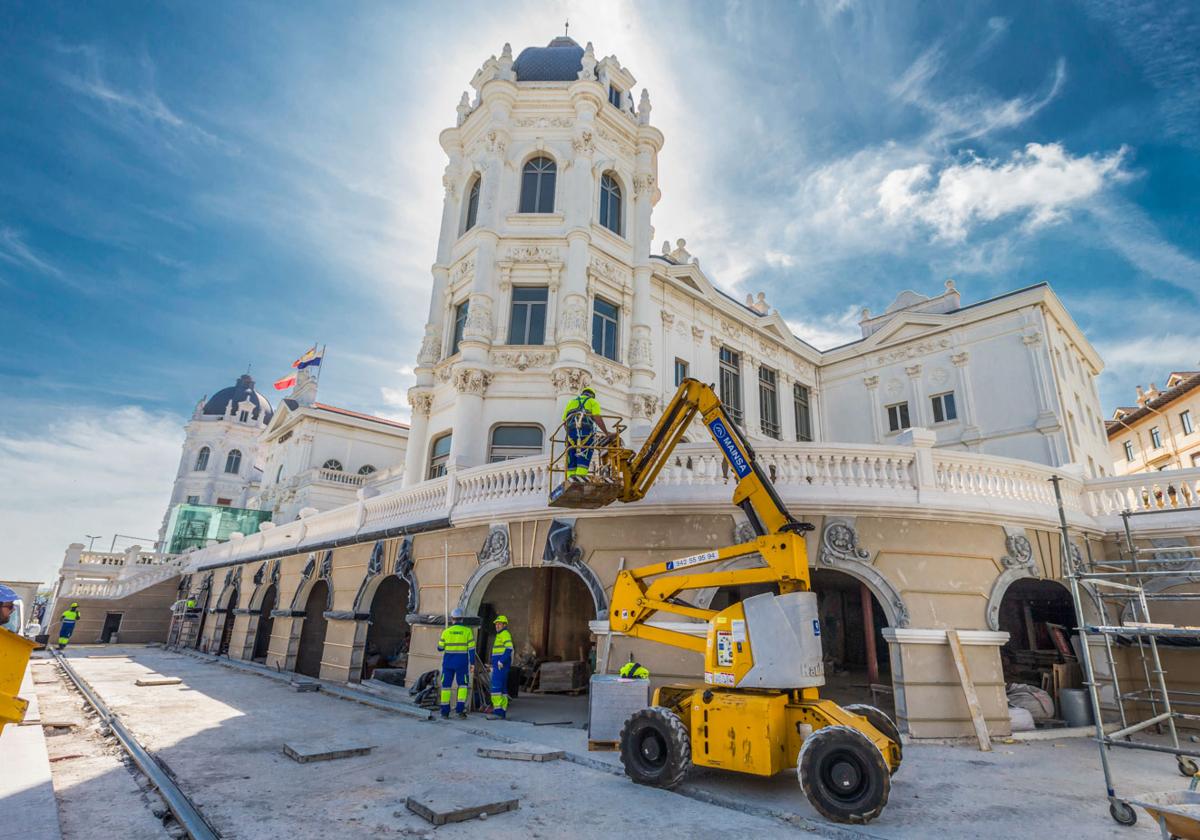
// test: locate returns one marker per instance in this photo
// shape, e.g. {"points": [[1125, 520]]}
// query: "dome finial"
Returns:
{"points": [[567, 28]]}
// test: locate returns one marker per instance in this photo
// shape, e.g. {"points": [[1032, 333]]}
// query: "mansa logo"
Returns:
{"points": [[731, 449]]}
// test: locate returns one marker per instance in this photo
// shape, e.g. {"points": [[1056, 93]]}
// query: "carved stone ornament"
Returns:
{"points": [[611, 373], [644, 406], [421, 401], [641, 352], [561, 550], [572, 323], [532, 254], [839, 550], [496, 547], [894, 387], [841, 543], [582, 143], [327, 565], [622, 146], [608, 270], [643, 183], [496, 142], [260, 574], [431, 347], [939, 376], [644, 108], [375, 564], [1020, 553], [275, 571], [522, 360], [697, 334], [912, 351], [464, 268], [744, 533], [449, 184], [479, 319], [464, 108], [570, 380], [472, 381], [667, 318], [543, 122]]}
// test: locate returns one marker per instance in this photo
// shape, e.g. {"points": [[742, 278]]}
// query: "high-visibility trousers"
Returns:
{"points": [[455, 666], [579, 448], [64, 633], [501, 665]]}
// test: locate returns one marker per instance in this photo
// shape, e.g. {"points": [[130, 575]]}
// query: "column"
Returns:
{"points": [[421, 401], [752, 423], [920, 415], [872, 386], [971, 433], [787, 405], [1048, 422]]}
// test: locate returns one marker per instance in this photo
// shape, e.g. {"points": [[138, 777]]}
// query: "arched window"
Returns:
{"points": [[514, 442], [537, 186], [202, 459], [472, 204], [279, 474], [366, 469], [610, 203], [332, 464], [439, 454], [233, 461]]}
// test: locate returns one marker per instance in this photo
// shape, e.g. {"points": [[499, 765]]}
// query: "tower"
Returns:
{"points": [[542, 278]]}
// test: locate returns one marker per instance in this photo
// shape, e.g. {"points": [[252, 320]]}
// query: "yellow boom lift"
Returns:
{"points": [[759, 710]]}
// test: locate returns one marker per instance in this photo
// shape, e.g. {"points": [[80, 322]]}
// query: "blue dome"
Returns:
{"points": [[559, 61], [218, 405]]}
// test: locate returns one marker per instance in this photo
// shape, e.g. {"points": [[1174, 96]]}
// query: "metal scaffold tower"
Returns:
{"points": [[1118, 591]]}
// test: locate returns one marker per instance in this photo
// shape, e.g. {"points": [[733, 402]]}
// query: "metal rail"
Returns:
{"points": [[185, 811]]}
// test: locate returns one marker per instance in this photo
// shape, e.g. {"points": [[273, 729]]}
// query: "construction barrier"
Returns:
{"points": [[14, 656]]}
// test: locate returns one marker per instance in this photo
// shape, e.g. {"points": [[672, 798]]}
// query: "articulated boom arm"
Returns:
{"points": [[780, 541]]}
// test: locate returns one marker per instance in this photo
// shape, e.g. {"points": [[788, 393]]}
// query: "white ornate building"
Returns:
{"points": [[545, 282]]}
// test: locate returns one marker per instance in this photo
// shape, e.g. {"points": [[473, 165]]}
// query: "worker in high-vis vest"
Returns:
{"points": [[69, 617], [457, 645], [581, 416], [635, 671], [502, 653]]}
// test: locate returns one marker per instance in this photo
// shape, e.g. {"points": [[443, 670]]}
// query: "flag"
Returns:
{"points": [[286, 382], [310, 358]]}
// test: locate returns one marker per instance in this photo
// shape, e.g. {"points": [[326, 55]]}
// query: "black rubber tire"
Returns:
{"points": [[879, 719], [1122, 812], [1187, 766], [656, 748], [843, 774]]}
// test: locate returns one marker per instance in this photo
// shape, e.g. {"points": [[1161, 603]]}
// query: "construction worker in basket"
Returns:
{"points": [[502, 654], [634, 671], [69, 617], [581, 416], [9, 620], [457, 645]]}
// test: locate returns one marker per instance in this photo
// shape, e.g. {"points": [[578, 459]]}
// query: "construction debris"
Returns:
{"points": [[522, 751], [441, 807], [306, 752], [151, 681]]}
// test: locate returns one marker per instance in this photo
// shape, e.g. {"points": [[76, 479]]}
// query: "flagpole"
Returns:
{"points": [[322, 365]]}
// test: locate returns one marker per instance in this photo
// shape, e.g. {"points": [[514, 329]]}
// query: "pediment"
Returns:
{"points": [[905, 327]]}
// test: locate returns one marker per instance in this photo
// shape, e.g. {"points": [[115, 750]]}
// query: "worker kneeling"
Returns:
{"points": [[456, 644], [502, 652], [634, 671], [581, 417]]}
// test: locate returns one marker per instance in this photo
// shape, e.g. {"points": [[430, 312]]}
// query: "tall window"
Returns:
{"points": [[332, 464], [279, 474], [472, 204], [537, 186], [1185, 420], [768, 402], [366, 469], [604, 328], [193, 500], [681, 371], [943, 407], [800, 404], [514, 442], [897, 414], [460, 323], [202, 459], [730, 364], [439, 454], [1155, 437], [614, 96], [233, 461], [610, 203], [527, 324], [1128, 450]]}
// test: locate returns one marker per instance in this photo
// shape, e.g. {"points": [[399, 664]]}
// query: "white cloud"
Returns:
{"points": [[15, 251], [1040, 184], [827, 331], [97, 472]]}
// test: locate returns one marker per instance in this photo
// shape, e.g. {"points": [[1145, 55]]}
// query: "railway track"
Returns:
{"points": [[186, 814]]}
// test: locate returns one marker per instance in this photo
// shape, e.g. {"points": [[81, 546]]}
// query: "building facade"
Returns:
{"points": [[1160, 432]]}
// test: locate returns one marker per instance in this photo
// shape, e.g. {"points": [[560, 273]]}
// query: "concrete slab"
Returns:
{"points": [[441, 807], [328, 749], [143, 682], [521, 751], [303, 685], [28, 810]]}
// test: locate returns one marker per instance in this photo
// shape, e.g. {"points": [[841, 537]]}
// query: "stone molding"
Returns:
{"points": [[932, 636], [840, 551]]}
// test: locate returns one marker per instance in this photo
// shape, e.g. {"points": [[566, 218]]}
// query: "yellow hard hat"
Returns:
{"points": [[500, 619]]}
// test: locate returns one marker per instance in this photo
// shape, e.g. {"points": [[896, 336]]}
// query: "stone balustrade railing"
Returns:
{"points": [[834, 478], [102, 558], [339, 477], [163, 568]]}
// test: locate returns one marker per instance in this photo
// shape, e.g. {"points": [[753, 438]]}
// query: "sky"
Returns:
{"points": [[189, 189]]}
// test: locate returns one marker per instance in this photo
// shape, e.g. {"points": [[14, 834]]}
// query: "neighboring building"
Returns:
{"points": [[1161, 432], [317, 456], [220, 462]]}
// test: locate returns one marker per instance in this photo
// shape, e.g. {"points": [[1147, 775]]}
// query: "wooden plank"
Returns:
{"points": [[604, 746], [150, 681], [968, 687], [442, 808]]}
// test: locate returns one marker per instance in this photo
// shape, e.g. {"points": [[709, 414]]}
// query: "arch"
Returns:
{"points": [[202, 459], [311, 647], [367, 469], [388, 632], [1018, 563], [515, 445], [439, 454], [539, 177], [333, 464], [612, 205], [471, 212], [233, 461], [840, 551], [261, 624], [1043, 599], [548, 607], [226, 618]]}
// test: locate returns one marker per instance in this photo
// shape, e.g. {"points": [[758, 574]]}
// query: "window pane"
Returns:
{"points": [[472, 205], [537, 324], [605, 308], [597, 333], [442, 445], [904, 415], [938, 417], [529, 185], [517, 436], [460, 323], [951, 412], [516, 329]]}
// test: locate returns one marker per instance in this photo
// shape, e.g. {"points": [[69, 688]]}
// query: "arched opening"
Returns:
{"points": [[262, 634], [227, 619], [548, 609], [385, 655], [857, 666], [312, 631], [202, 604], [1039, 617]]}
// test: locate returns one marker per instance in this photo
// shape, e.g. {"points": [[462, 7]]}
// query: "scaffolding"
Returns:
{"points": [[1120, 585]]}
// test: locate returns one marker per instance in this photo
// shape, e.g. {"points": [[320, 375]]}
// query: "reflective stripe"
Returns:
{"points": [[456, 638], [502, 642], [70, 615]]}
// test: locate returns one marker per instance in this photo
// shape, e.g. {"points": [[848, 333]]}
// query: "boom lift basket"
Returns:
{"points": [[14, 656], [604, 482]]}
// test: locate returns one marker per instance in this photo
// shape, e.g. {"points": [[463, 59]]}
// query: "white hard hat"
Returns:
{"points": [[456, 613]]}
